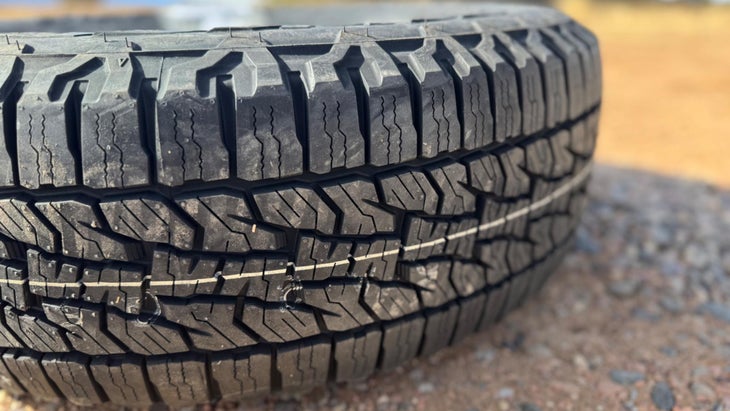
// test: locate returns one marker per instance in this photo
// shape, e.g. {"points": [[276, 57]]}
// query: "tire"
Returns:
{"points": [[213, 215]]}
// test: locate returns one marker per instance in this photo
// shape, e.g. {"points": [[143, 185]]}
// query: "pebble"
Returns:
{"points": [[505, 392], [580, 362], [672, 304], [426, 387], [662, 396], [528, 406], [486, 355], [626, 377], [702, 391], [717, 310], [625, 288]]}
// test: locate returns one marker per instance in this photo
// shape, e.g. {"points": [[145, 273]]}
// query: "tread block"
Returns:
{"points": [[183, 275], [356, 355], [123, 380], [573, 69], [410, 191], [36, 332], [190, 144], [468, 278], [494, 307], [47, 122], [432, 280], [358, 203], [472, 93], [338, 305], [20, 221], [376, 259], [242, 375], [83, 323], [147, 335], [564, 159], [71, 374], [503, 80], [281, 322], [393, 138], [10, 72], [180, 380], [112, 152], [494, 255], [28, 371], [227, 224], [401, 341], [439, 125], [319, 259], [267, 145], [149, 219], [113, 284], [389, 302], [470, 313], [439, 329], [14, 285], [8, 382], [210, 323], [430, 237], [553, 76], [486, 175], [82, 235], [303, 366], [532, 99], [296, 207], [517, 182], [334, 142]]}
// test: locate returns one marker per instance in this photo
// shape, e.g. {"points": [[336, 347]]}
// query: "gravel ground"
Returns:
{"points": [[637, 318]]}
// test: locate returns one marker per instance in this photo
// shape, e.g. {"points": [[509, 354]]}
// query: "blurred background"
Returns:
{"points": [[667, 87]]}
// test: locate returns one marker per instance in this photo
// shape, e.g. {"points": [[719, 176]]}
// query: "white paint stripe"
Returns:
{"points": [[562, 190]]}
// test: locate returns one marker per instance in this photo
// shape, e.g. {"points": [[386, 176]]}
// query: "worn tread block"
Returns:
{"points": [[338, 306], [358, 201], [20, 221], [432, 279], [14, 289], [438, 329], [410, 191], [210, 323], [37, 333], [82, 235], [149, 219], [296, 207], [242, 375], [401, 341], [303, 366], [84, 325], [389, 302], [180, 380], [29, 372], [71, 374], [356, 355], [451, 181], [147, 335], [123, 380], [281, 322], [227, 224]]}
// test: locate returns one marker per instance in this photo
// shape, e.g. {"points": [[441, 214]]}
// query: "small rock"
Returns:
{"points": [[626, 377], [503, 405], [625, 288], [702, 391], [669, 351], [672, 304], [580, 362], [586, 242], [540, 350], [486, 355], [528, 406], [416, 375], [717, 310], [662, 396], [425, 388], [505, 392]]}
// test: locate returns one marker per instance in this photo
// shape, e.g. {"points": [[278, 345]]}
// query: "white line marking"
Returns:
{"points": [[561, 191]]}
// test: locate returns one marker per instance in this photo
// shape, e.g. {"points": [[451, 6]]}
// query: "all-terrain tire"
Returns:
{"points": [[198, 216]]}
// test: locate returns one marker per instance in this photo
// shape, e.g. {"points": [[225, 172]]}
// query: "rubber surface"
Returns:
{"points": [[195, 216]]}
